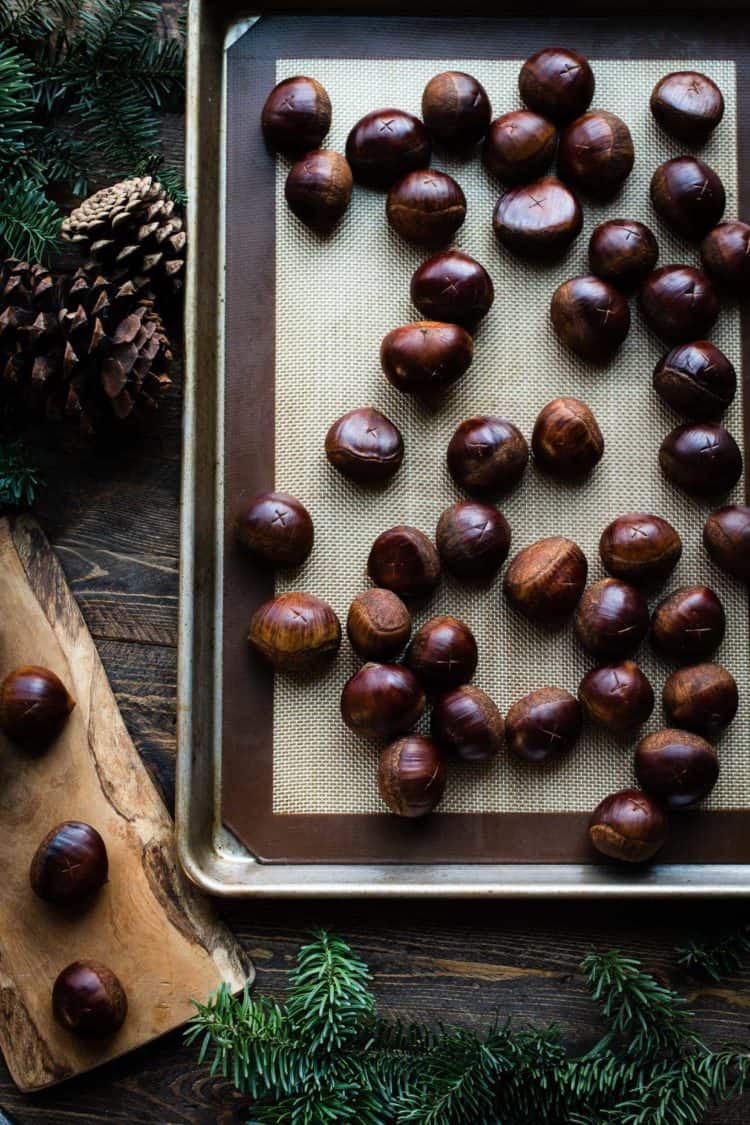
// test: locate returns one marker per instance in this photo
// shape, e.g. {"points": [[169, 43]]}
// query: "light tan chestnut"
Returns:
{"points": [[295, 632]]}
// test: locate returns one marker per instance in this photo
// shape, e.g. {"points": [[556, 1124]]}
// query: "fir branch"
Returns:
{"points": [[716, 957], [330, 993], [16, 104], [20, 480], [29, 222], [27, 21]]}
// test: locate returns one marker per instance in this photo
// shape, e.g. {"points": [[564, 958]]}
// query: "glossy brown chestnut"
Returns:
{"points": [[623, 252], [487, 455], [538, 220], [611, 619], [640, 548], [725, 253], [318, 189], [590, 316], [426, 207], [89, 1000], [473, 539], [295, 632], [69, 864], [680, 303], [596, 153], [617, 696], [567, 441], [544, 725], [365, 445], [425, 357], [404, 560], [701, 698], [456, 109], [677, 767], [545, 581], [519, 146], [688, 105], [726, 537], [453, 287], [697, 380], [557, 82], [411, 776], [628, 825], [701, 457], [689, 624], [378, 625], [276, 529], [34, 706], [296, 116], [688, 195], [442, 654], [386, 144], [382, 700], [467, 723]]}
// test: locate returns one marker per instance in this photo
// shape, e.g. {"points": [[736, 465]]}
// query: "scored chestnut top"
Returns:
{"points": [[538, 220], [557, 82], [452, 287], [296, 116], [687, 104], [689, 624], [639, 547], [680, 303], [725, 253], [701, 457], [688, 195], [545, 580], [426, 207], [318, 189], [596, 153], [385, 145], [365, 445], [590, 316], [456, 109], [726, 537], [623, 252], [276, 529], [567, 441], [519, 146], [487, 455], [696, 380], [404, 560], [425, 357]]}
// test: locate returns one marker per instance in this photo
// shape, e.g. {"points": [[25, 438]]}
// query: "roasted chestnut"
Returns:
{"points": [[426, 207], [590, 316], [452, 287], [467, 723], [487, 455], [473, 539], [688, 105], [701, 457], [411, 776], [640, 548], [567, 441], [382, 700], [696, 380], [726, 537], [544, 725], [276, 529], [688, 195], [617, 696], [378, 625], [557, 82], [676, 766], [545, 581], [318, 189], [628, 825], [34, 706], [689, 624], [386, 144], [623, 252], [425, 357], [679, 303], [538, 220], [89, 1000], [296, 116], [404, 560], [701, 698], [596, 153], [611, 619], [295, 632], [69, 864], [365, 445], [725, 253], [442, 654], [456, 109], [519, 146]]}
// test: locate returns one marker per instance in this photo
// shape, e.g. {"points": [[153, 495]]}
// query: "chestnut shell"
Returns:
{"points": [[386, 144], [295, 632], [697, 380], [442, 654], [640, 548], [452, 287], [473, 539], [487, 455], [425, 357], [628, 825], [69, 864], [557, 82], [404, 560], [688, 195], [701, 698], [456, 109], [276, 529], [545, 580], [726, 537], [89, 1000], [538, 220], [34, 706], [616, 696], [365, 445], [596, 153], [688, 624], [679, 303], [677, 767], [590, 316], [467, 723], [543, 725], [411, 776], [701, 457], [382, 700]]}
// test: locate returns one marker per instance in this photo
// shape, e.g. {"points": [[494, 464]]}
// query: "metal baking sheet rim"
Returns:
{"points": [[210, 855]]}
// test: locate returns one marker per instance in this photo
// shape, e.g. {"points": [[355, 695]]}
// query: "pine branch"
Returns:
{"points": [[27, 21], [20, 480], [716, 957], [330, 993], [29, 222], [16, 104]]}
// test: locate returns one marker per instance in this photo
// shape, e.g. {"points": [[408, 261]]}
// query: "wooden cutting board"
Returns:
{"points": [[148, 923]]}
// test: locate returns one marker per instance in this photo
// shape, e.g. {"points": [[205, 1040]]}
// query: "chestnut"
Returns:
{"points": [[426, 207], [537, 220], [519, 146], [590, 316], [557, 82], [442, 654], [701, 457], [679, 303], [276, 529], [365, 445], [295, 632], [726, 537], [386, 144], [628, 825], [688, 105], [623, 252], [473, 539], [89, 1000], [567, 441], [617, 696], [378, 625], [318, 189], [611, 619], [467, 723], [689, 624], [543, 725], [411, 776], [487, 455], [425, 357], [296, 116], [725, 254], [696, 380], [677, 767], [701, 698], [596, 153], [34, 706], [688, 195], [640, 548], [69, 864], [404, 560], [545, 581], [453, 287], [456, 109], [382, 700]]}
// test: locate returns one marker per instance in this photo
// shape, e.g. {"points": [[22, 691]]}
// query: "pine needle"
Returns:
{"points": [[20, 480], [718, 956]]}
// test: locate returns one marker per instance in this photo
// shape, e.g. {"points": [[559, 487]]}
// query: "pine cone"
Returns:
{"points": [[31, 345]]}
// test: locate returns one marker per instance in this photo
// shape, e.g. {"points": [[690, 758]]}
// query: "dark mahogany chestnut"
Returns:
{"points": [[701, 698], [296, 116], [487, 455], [318, 189], [611, 619], [276, 529], [701, 457], [365, 445], [378, 625], [567, 441], [590, 316], [404, 560], [725, 253], [425, 357], [386, 144], [442, 654], [456, 109], [411, 776], [473, 539], [295, 632], [688, 195], [689, 624], [538, 220], [596, 153], [453, 287], [726, 537], [617, 696], [69, 864], [628, 825], [382, 700], [557, 82], [426, 207], [545, 580], [34, 706], [543, 725], [697, 380], [519, 146], [467, 723], [677, 767], [680, 303], [623, 252], [688, 105], [640, 548], [89, 1000]]}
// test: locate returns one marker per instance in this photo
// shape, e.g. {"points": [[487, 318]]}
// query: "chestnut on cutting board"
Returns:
{"points": [[89, 1000], [69, 864], [34, 706]]}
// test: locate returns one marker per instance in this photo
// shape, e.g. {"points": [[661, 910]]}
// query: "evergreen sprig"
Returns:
{"points": [[20, 480], [716, 957]]}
